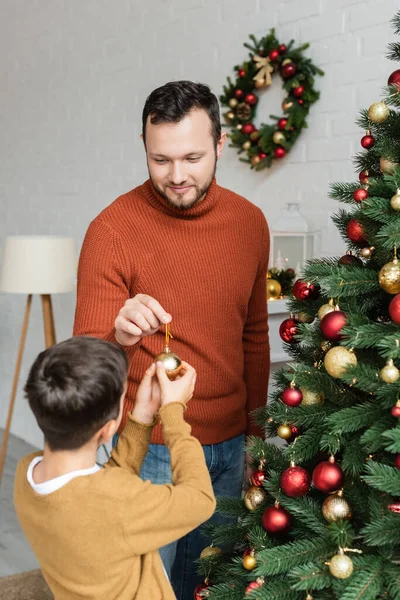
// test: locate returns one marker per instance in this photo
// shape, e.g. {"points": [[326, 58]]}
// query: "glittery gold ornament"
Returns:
{"points": [[325, 309], [387, 166], [284, 432], [243, 111], [395, 201], [233, 102], [335, 508], [246, 145], [367, 252], [210, 551], [311, 398], [274, 289], [338, 359], [255, 160], [378, 112], [286, 105], [286, 61], [278, 137], [229, 116], [171, 361], [341, 566], [249, 561], [389, 277], [390, 373], [305, 318], [254, 497]]}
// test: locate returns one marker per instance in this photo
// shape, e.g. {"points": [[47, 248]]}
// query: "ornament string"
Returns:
{"points": [[168, 335]]}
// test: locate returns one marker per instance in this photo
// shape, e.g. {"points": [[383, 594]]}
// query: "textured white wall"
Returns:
{"points": [[75, 75]]}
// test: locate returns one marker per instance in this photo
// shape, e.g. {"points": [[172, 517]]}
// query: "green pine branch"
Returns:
{"points": [[383, 477], [293, 554]]}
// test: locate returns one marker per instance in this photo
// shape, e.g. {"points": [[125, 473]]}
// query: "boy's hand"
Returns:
{"points": [[179, 390], [148, 398]]}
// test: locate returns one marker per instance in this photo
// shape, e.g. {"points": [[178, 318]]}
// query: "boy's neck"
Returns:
{"points": [[61, 462]]}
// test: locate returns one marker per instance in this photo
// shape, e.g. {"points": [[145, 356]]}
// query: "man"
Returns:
{"points": [[180, 249]]}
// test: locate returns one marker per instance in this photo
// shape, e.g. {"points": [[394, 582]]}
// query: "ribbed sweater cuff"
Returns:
{"points": [[171, 415], [134, 429]]}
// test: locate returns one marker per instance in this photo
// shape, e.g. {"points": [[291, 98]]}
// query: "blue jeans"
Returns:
{"points": [[225, 462]]}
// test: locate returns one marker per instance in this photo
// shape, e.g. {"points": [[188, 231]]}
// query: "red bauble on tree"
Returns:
{"points": [[327, 477], [396, 410], [248, 128], [356, 233], [367, 141], [302, 290], [282, 124], [292, 396], [350, 259], [257, 478], [273, 55], [298, 91], [295, 481], [363, 177], [288, 70], [238, 94], [394, 79], [360, 194], [251, 99], [199, 590], [397, 461], [276, 519], [254, 585], [394, 309], [279, 152], [332, 324], [288, 330]]}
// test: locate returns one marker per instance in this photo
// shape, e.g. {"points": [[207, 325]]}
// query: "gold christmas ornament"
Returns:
{"points": [[229, 116], [171, 361], [274, 289], [335, 508], [395, 201], [249, 561], [286, 61], [286, 105], [378, 112], [341, 566], [254, 497], [255, 160], [311, 398], [243, 111], [233, 102], [265, 69], [305, 318], [390, 373], [338, 359], [284, 432], [325, 309], [210, 551], [259, 85], [255, 135], [278, 137], [387, 166], [246, 145], [239, 126], [367, 252], [389, 276]]}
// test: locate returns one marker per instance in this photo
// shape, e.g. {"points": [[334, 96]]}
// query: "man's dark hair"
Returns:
{"points": [[171, 102], [74, 388]]}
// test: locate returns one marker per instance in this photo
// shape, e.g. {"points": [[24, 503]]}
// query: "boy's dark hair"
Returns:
{"points": [[74, 388], [171, 102]]}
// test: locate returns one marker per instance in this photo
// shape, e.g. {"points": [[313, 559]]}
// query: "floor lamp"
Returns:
{"points": [[41, 265]]}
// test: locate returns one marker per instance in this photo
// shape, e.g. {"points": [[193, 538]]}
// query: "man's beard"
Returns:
{"points": [[200, 193]]}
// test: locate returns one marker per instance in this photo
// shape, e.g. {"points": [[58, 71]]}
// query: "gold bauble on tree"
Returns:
{"points": [[389, 277], [233, 102], [284, 431], [338, 359], [254, 497], [335, 508], [310, 398], [395, 201], [172, 363], [210, 551], [390, 373], [303, 317], [378, 112], [274, 289], [325, 309], [387, 166], [278, 137], [341, 566], [249, 561], [367, 252]]}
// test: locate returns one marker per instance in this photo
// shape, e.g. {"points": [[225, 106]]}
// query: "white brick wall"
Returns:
{"points": [[75, 74]]}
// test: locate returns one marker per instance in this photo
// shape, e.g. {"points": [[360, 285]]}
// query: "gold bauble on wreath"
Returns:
{"points": [[254, 497], [335, 508], [274, 289], [233, 102], [378, 112], [286, 105], [341, 566], [255, 160], [278, 137], [390, 373], [311, 398], [246, 145], [210, 551], [229, 116], [337, 360], [395, 201], [389, 277], [387, 166]]}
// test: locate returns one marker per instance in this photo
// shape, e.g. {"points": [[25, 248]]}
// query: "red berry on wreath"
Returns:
{"points": [[273, 55], [251, 99], [394, 309], [288, 330], [295, 481], [238, 94], [332, 324], [248, 128], [282, 48], [292, 396], [262, 155], [298, 91], [301, 101], [394, 79], [367, 141], [241, 73], [279, 152], [360, 194], [363, 177], [356, 232], [282, 123], [288, 70]]}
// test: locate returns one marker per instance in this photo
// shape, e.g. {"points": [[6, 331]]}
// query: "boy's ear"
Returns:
{"points": [[106, 433]]}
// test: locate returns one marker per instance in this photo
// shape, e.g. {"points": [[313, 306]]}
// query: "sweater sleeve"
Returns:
{"points": [[155, 515], [256, 340], [103, 284], [131, 448]]}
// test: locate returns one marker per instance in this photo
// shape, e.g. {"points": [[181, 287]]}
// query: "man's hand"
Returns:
{"points": [[181, 389], [148, 398], [140, 316]]}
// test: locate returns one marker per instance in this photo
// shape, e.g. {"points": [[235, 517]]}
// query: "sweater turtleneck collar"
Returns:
{"points": [[157, 201]]}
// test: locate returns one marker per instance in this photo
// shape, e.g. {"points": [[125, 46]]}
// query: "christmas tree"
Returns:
{"points": [[321, 517]]}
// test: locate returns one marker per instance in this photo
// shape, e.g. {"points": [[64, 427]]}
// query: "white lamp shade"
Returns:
{"points": [[38, 265]]}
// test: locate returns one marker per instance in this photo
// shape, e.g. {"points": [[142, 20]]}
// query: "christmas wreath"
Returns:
{"points": [[272, 141]]}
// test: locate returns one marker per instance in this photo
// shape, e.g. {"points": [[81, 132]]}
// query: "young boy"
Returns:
{"points": [[96, 531]]}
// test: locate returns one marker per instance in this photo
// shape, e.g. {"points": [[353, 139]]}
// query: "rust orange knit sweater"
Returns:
{"points": [[207, 267]]}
